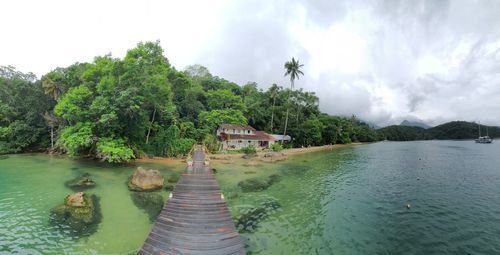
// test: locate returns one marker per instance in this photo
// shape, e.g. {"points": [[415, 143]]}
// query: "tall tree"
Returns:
{"points": [[293, 70], [273, 93]]}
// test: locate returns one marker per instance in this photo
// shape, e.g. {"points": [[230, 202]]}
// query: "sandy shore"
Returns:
{"points": [[260, 154]]}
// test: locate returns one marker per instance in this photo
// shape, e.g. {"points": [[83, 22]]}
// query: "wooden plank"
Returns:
{"points": [[195, 220]]}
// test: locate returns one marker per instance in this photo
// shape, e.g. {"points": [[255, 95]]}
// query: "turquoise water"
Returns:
{"points": [[30, 185], [353, 201], [347, 201]]}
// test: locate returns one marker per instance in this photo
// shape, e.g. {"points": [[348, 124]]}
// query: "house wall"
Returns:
{"points": [[235, 131], [239, 144]]}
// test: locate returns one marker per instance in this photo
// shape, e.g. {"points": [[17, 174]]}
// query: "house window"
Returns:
{"points": [[239, 141], [249, 141], [234, 131], [249, 131]]}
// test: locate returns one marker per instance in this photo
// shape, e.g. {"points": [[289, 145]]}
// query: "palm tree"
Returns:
{"points": [[51, 87], [293, 70]]}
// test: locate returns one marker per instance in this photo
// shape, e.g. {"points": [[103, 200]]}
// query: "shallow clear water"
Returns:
{"points": [[347, 201], [31, 185], [353, 200]]}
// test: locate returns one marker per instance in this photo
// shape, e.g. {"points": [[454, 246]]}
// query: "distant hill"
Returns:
{"points": [[462, 130], [449, 130], [405, 133], [414, 124]]}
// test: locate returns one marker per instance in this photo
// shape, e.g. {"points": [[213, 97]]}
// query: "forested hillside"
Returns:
{"points": [[119, 109], [450, 130]]}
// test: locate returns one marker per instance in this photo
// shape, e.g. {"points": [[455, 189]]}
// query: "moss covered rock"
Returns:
{"points": [[174, 178], [253, 184], [258, 183], [142, 180], [169, 186], [150, 202], [80, 183], [80, 213]]}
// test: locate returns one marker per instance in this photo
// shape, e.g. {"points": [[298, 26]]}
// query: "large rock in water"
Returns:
{"points": [[80, 183], [143, 180], [80, 213]]}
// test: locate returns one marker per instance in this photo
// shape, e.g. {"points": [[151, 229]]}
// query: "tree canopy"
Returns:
{"points": [[118, 109]]}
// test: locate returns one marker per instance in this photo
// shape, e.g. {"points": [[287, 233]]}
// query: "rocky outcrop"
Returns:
{"points": [[274, 157], [143, 180], [80, 213], [80, 183]]}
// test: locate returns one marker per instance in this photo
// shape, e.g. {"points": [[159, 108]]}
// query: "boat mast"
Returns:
{"points": [[479, 125]]}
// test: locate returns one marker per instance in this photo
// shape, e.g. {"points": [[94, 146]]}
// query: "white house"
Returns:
{"points": [[235, 137]]}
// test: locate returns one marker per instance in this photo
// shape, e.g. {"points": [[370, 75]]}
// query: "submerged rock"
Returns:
{"points": [[251, 163], [80, 213], [174, 178], [253, 184], [143, 180], [274, 157], [80, 183], [248, 221], [258, 183], [3, 157], [150, 202], [169, 186]]}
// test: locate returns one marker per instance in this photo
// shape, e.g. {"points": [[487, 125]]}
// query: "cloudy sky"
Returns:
{"points": [[384, 61]]}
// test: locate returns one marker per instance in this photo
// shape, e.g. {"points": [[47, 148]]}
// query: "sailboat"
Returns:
{"points": [[483, 139]]}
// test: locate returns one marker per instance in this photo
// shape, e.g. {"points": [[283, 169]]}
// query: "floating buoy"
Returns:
{"points": [[408, 206]]}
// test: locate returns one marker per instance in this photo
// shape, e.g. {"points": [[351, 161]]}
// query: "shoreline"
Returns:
{"points": [[225, 157]]}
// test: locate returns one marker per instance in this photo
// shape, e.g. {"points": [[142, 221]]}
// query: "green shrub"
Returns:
{"points": [[114, 150], [277, 147], [250, 150]]}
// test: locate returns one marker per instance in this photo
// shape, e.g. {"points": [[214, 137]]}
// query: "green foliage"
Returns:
{"points": [[22, 106], [309, 132], [249, 150], [77, 138], [276, 147], [214, 118], [224, 99], [404, 133], [73, 106], [211, 142], [113, 108], [114, 150]]}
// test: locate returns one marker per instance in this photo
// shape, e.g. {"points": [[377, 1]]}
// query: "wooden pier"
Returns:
{"points": [[195, 220]]}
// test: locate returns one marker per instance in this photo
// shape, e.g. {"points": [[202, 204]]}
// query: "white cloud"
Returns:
{"points": [[381, 60]]}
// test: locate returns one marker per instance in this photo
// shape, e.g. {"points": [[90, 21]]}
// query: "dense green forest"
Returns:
{"points": [[120, 109], [449, 130]]}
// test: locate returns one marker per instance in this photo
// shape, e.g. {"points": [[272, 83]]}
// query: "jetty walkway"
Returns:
{"points": [[195, 220]]}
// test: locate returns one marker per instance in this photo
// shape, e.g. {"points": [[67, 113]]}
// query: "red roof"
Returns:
{"points": [[259, 136]]}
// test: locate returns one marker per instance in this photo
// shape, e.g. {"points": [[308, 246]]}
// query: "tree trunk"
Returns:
{"points": [[287, 110], [272, 114], [52, 137], [151, 125], [286, 123], [298, 112]]}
